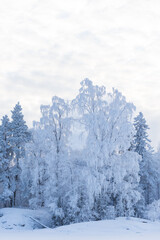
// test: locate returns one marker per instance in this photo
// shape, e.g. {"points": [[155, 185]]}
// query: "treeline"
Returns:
{"points": [[86, 159]]}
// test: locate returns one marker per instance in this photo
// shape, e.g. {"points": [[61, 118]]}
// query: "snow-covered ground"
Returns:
{"points": [[17, 219], [17, 224]]}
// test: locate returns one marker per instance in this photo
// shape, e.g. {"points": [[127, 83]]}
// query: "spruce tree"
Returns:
{"points": [[20, 136], [141, 140], [142, 146], [5, 162]]}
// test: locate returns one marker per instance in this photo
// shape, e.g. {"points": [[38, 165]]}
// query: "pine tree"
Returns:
{"points": [[142, 146], [20, 136], [141, 140], [5, 162], [157, 167]]}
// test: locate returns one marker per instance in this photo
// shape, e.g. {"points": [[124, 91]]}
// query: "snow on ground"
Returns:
{"points": [[22, 219], [17, 224]]}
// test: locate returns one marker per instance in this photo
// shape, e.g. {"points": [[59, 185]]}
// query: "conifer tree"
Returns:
{"points": [[5, 162], [142, 146], [141, 140], [20, 136]]}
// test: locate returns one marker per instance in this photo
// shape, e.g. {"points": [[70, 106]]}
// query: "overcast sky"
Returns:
{"points": [[48, 46]]}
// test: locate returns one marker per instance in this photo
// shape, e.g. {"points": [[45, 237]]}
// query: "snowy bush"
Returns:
{"points": [[153, 211]]}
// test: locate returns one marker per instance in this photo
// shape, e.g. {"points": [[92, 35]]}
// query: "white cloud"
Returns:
{"points": [[48, 47]]}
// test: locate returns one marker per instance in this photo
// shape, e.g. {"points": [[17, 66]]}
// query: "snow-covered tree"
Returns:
{"points": [[5, 163], [141, 140], [156, 167], [107, 120], [57, 125], [34, 169], [20, 136], [49, 153], [142, 146]]}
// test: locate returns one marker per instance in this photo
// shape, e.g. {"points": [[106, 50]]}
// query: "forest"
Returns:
{"points": [[89, 158]]}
